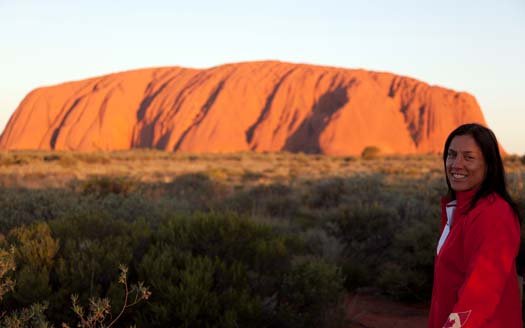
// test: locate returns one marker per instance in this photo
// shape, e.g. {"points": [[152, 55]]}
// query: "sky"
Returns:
{"points": [[473, 46]]}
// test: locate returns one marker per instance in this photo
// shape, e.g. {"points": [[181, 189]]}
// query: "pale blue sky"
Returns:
{"points": [[473, 46]]}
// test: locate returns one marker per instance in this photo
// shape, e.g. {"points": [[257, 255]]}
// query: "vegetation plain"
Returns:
{"points": [[222, 240]]}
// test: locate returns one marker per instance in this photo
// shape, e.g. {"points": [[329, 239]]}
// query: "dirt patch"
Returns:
{"points": [[366, 311]]}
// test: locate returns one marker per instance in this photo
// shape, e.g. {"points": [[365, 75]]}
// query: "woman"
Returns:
{"points": [[475, 281]]}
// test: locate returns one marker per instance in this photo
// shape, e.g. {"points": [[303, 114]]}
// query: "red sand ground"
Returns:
{"points": [[375, 312]]}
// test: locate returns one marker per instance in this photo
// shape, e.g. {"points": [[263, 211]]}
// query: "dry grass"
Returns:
{"points": [[40, 169]]}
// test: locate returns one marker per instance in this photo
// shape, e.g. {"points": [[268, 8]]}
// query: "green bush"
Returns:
{"points": [[274, 200], [367, 231], [19, 207], [311, 295], [331, 192], [407, 273], [225, 269], [97, 315], [195, 191], [78, 255], [196, 291], [35, 251], [244, 255], [327, 193], [249, 176], [104, 185]]}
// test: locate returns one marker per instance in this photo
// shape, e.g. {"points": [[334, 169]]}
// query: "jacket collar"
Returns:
{"points": [[463, 199]]}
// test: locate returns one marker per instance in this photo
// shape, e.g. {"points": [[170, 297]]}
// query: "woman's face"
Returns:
{"points": [[465, 165]]}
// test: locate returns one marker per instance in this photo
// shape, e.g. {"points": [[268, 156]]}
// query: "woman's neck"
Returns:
{"points": [[464, 197]]}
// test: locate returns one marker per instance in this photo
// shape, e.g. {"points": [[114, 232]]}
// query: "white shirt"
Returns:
{"points": [[450, 207]]}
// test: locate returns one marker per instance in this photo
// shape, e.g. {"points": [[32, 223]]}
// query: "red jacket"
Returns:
{"points": [[475, 281]]}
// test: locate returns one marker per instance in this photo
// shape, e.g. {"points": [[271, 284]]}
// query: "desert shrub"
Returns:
{"points": [[370, 152], [91, 250], [407, 273], [234, 156], [99, 312], [23, 206], [195, 191], [51, 157], [232, 238], [311, 295], [515, 184], [226, 269], [380, 229], [388, 230], [136, 154], [334, 191], [93, 158], [97, 315], [102, 186], [250, 176], [274, 200], [7, 265], [218, 174], [327, 193], [130, 208], [196, 269], [512, 158], [67, 161], [35, 250], [366, 231], [347, 160], [32, 316], [7, 159], [195, 291], [322, 244], [19, 157]]}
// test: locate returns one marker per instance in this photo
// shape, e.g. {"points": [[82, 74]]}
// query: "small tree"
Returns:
{"points": [[99, 309], [370, 152]]}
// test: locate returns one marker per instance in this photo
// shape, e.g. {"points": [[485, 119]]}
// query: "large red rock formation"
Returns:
{"points": [[261, 106]]}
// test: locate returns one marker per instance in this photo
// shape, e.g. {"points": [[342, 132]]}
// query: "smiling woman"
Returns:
{"points": [[475, 280], [465, 165]]}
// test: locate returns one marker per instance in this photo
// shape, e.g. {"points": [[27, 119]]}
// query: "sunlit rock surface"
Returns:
{"points": [[260, 106]]}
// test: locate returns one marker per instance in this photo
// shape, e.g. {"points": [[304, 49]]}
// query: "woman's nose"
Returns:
{"points": [[458, 161]]}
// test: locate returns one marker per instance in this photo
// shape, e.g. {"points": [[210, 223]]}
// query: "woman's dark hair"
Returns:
{"points": [[495, 176]]}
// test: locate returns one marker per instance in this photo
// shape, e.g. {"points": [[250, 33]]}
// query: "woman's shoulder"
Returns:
{"points": [[492, 207], [497, 202], [494, 217]]}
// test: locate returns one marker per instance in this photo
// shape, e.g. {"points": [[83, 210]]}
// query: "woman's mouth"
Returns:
{"points": [[458, 176]]}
